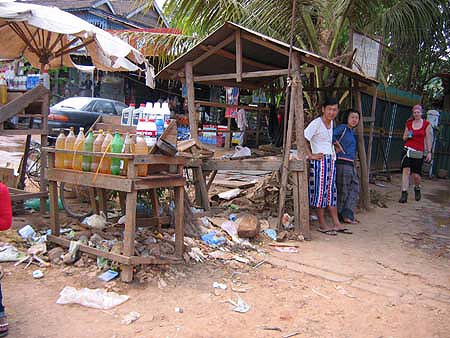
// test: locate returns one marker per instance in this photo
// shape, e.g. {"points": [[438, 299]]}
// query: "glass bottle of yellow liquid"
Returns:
{"points": [[88, 146], [141, 148], [60, 145], [3, 90], [79, 142], [105, 166], [127, 149], [97, 147], [70, 143]]}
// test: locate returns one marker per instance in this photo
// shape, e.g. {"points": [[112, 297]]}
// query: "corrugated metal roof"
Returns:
{"points": [[219, 64]]}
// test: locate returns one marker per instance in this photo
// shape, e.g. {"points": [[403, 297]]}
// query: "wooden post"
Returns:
{"points": [[200, 179], [130, 226], [193, 125], [301, 177], [372, 125], [44, 130], [238, 56], [286, 154], [53, 194], [179, 221], [228, 136], [211, 178], [364, 194], [94, 204]]}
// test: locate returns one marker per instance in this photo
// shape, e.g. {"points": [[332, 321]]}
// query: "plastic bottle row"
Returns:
{"points": [[100, 142]]}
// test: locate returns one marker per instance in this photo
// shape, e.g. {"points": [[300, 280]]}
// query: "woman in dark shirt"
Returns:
{"points": [[347, 180]]}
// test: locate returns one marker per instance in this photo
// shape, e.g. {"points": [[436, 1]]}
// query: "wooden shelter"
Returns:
{"points": [[235, 56]]}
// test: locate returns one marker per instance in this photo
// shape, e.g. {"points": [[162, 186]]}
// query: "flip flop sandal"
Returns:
{"points": [[330, 232], [3, 330], [345, 231]]}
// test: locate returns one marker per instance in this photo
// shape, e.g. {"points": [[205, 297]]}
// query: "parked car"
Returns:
{"points": [[80, 112]]}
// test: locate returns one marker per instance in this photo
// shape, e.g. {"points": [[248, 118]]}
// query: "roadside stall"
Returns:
{"points": [[250, 60]]}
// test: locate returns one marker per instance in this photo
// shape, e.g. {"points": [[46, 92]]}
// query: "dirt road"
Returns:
{"points": [[391, 278]]}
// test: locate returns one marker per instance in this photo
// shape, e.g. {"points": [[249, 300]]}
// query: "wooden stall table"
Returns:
{"points": [[165, 172]]}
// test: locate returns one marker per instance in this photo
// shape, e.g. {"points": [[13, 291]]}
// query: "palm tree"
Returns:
{"points": [[321, 26]]}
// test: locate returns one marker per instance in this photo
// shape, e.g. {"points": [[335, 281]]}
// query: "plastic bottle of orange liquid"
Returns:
{"points": [[105, 166], [97, 147], [70, 143], [79, 142], [60, 145], [141, 147], [128, 146]]}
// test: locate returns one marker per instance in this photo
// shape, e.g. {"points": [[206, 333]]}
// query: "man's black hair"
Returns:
{"points": [[330, 101], [346, 113]]}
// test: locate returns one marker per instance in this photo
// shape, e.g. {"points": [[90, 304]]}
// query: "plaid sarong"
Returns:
{"points": [[322, 182]]}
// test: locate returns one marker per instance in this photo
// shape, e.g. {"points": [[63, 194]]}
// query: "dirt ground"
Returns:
{"points": [[391, 278]]}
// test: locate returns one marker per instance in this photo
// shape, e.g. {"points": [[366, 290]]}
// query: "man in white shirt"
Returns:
{"points": [[322, 177]]}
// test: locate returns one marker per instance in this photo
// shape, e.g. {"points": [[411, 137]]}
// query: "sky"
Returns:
{"points": [[160, 3]]}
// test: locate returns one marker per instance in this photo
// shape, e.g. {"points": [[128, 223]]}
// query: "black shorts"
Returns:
{"points": [[415, 164]]}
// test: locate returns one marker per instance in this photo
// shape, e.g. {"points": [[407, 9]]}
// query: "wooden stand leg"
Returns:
{"points": [[54, 223], [179, 221], [129, 234], [123, 201], [201, 184], [155, 206], [43, 180], [94, 204], [102, 201]]}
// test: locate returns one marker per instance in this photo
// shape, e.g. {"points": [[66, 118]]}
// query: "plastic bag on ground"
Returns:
{"points": [[94, 298], [9, 253], [241, 152]]}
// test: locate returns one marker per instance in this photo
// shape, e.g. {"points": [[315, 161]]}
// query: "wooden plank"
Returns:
{"points": [[27, 195], [233, 183], [224, 105], [102, 201], [245, 75], [245, 60], [12, 132], [265, 43], [159, 181], [138, 260], [238, 56], [129, 234], [21, 102], [104, 181], [158, 159], [92, 153], [219, 46], [193, 125], [155, 205], [122, 259], [179, 221]]}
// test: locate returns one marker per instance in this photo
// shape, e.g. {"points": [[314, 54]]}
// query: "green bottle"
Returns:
{"points": [[116, 147], [88, 146]]}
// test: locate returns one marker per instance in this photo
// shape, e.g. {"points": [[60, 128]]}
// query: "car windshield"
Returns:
{"points": [[73, 103]]}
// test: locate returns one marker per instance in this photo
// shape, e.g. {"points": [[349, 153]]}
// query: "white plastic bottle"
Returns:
{"points": [[150, 138], [166, 114], [127, 115], [137, 114]]}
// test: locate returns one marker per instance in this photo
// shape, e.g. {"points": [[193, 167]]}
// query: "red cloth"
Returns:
{"points": [[5, 208], [417, 142]]}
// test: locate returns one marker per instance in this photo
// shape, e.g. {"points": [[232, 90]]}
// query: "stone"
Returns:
{"points": [[54, 255], [248, 226]]}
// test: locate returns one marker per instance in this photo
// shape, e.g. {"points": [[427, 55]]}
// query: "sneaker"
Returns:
{"points": [[404, 197], [417, 194]]}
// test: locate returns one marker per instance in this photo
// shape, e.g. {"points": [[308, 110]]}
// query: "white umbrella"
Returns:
{"points": [[47, 35]]}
